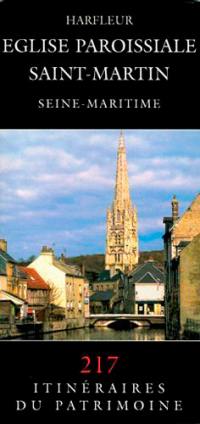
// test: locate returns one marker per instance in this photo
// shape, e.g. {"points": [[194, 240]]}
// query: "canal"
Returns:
{"points": [[105, 333]]}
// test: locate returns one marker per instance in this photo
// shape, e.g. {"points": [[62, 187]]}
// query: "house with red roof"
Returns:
{"points": [[69, 293], [37, 292]]}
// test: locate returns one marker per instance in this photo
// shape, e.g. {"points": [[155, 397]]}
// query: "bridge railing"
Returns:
{"points": [[125, 316]]}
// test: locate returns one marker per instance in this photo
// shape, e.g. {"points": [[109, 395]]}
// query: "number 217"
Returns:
{"points": [[98, 364]]}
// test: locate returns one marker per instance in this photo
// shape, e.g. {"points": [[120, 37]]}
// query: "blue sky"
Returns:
{"points": [[56, 185]]}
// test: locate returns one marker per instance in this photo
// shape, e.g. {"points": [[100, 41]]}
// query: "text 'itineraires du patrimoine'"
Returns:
{"points": [[92, 396], [96, 47]]}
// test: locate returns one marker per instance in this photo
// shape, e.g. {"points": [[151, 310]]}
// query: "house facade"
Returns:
{"points": [[13, 288], [180, 239], [146, 290], [77, 298], [102, 302], [37, 293], [188, 276], [11, 279], [68, 287], [113, 286]]}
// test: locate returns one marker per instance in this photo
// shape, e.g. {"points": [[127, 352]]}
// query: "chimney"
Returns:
{"points": [[83, 269], [46, 249], [62, 258], [175, 209], [3, 245], [47, 253]]}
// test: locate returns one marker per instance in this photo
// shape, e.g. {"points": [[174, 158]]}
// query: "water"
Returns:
{"points": [[105, 333]]}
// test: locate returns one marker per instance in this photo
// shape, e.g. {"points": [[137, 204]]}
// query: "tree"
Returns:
{"points": [[55, 293], [54, 300]]}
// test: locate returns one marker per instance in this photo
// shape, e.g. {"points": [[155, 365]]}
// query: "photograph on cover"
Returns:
{"points": [[100, 235]]}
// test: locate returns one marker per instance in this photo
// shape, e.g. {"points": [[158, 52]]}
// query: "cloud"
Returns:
{"points": [[147, 225], [29, 214], [165, 173], [92, 178], [57, 184], [6, 218], [8, 163], [163, 179], [90, 231], [59, 156], [26, 194]]}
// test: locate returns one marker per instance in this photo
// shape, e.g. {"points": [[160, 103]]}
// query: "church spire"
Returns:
{"points": [[122, 194], [121, 233], [121, 139]]}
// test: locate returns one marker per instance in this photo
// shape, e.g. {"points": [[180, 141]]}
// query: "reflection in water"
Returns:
{"points": [[105, 333]]}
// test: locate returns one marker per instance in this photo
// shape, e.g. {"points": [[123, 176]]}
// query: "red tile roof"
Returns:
{"points": [[34, 280]]}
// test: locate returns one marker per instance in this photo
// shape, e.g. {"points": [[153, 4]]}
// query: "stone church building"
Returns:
{"points": [[122, 231]]}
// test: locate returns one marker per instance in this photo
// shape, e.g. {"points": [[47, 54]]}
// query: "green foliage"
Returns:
{"points": [[26, 262], [155, 255], [96, 263], [92, 263]]}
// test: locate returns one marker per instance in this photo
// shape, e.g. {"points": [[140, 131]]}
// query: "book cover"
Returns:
{"points": [[100, 210]]}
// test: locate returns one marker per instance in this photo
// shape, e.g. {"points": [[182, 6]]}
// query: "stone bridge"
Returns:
{"points": [[107, 320]]}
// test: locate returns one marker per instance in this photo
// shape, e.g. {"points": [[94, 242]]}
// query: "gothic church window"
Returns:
{"points": [[118, 239]]}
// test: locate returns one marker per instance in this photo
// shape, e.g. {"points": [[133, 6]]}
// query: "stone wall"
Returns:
{"points": [[60, 325], [5, 330], [188, 226], [190, 282]]}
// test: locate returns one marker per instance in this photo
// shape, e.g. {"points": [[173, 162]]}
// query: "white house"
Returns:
{"points": [[147, 292], [46, 265], [66, 282]]}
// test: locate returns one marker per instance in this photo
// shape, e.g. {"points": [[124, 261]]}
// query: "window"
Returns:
{"points": [[118, 257], [150, 308], [118, 239]]}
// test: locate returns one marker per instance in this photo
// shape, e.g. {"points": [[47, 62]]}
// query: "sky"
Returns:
{"points": [[56, 185]]}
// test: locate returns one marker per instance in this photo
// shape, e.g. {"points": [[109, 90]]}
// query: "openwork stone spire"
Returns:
{"points": [[122, 194], [121, 239]]}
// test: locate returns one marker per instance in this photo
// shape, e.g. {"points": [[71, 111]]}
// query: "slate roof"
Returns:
{"points": [[68, 269], [147, 273], [184, 243], [7, 257], [2, 266], [34, 280], [4, 259], [101, 296]]}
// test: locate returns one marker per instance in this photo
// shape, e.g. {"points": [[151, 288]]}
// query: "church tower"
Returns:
{"points": [[121, 237]]}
